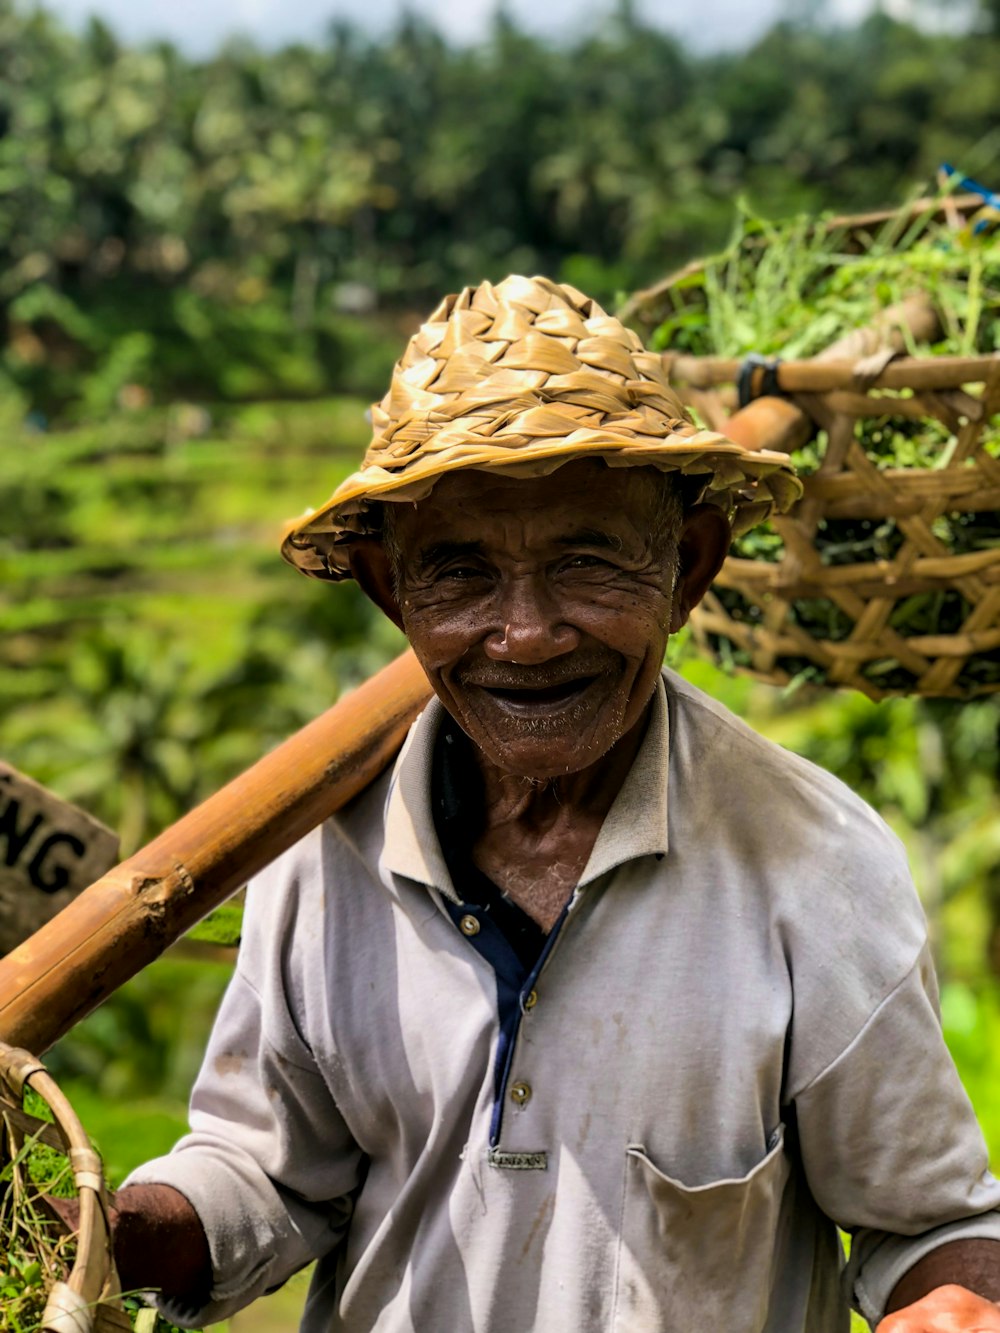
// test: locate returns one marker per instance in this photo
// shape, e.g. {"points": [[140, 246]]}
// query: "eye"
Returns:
{"points": [[460, 573], [584, 561]]}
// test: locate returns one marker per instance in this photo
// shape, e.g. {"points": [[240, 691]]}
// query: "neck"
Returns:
{"points": [[537, 836]]}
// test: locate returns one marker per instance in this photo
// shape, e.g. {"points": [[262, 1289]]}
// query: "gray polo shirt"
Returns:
{"points": [[729, 1044]]}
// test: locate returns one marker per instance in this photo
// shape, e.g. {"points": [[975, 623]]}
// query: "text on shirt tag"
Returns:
{"points": [[518, 1161]]}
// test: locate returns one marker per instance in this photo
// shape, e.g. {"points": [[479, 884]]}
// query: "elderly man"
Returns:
{"points": [[597, 1011]]}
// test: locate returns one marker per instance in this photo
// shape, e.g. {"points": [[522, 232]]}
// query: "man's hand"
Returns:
{"points": [[948, 1309], [159, 1241]]}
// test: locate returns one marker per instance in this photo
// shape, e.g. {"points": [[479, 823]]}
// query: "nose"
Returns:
{"points": [[532, 630]]}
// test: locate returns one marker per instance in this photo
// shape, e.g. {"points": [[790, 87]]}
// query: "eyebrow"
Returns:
{"points": [[596, 537], [439, 552]]}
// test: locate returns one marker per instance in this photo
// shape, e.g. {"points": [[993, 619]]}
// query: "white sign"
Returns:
{"points": [[49, 851]]}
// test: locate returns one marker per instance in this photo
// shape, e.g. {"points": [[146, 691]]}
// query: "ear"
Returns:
{"points": [[370, 566], [704, 542]]}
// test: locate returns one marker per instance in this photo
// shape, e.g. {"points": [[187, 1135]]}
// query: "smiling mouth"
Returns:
{"points": [[540, 696]]}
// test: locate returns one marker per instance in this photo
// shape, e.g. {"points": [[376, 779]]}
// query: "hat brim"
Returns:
{"points": [[747, 485]]}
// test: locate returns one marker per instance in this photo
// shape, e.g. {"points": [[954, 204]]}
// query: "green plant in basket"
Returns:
{"points": [[33, 1257], [791, 288], [33, 1251]]}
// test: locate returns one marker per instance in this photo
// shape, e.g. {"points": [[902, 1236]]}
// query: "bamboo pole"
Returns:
{"points": [[129, 916], [823, 376]]}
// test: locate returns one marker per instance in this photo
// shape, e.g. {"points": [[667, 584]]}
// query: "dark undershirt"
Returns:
{"points": [[457, 802]]}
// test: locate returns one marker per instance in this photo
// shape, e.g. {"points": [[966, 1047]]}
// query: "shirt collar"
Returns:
{"points": [[411, 843], [635, 826]]}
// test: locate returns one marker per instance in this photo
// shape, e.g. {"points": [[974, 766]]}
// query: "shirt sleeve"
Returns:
{"points": [[890, 1144], [269, 1165]]}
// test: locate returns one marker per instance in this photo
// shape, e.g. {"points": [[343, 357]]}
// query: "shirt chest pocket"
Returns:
{"points": [[698, 1256]]}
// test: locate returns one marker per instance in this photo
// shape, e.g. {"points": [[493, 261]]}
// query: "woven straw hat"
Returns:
{"points": [[525, 376]]}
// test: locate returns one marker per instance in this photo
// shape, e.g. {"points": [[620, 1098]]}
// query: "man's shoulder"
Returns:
{"points": [[355, 830], [356, 844], [754, 781], [797, 848]]}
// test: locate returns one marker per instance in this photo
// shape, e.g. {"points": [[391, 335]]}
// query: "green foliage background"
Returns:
{"points": [[206, 270], [206, 228]]}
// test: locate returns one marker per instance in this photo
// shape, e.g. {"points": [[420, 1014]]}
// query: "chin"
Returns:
{"points": [[545, 741], [542, 758]]}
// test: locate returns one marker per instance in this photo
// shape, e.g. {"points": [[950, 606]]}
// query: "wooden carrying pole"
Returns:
{"points": [[129, 916]]}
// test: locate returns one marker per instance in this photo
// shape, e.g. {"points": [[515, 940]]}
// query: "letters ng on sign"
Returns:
{"points": [[49, 851]]}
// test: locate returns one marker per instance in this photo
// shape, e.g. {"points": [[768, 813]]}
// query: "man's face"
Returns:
{"points": [[539, 609]]}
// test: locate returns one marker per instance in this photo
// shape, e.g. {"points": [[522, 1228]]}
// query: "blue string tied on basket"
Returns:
{"points": [[987, 217]]}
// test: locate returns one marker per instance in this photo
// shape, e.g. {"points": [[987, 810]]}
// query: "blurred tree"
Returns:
{"points": [[227, 211], [117, 736]]}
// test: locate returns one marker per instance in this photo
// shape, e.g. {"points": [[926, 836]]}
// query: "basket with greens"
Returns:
{"points": [[52, 1281], [886, 575]]}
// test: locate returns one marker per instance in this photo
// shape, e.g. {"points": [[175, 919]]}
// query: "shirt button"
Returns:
{"points": [[531, 999], [520, 1093], [469, 925]]}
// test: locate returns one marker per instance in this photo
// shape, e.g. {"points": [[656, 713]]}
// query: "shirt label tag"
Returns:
{"points": [[517, 1161]]}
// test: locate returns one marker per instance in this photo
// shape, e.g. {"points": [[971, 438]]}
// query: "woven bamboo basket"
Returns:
{"points": [[885, 577], [866, 540], [83, 1292]]}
